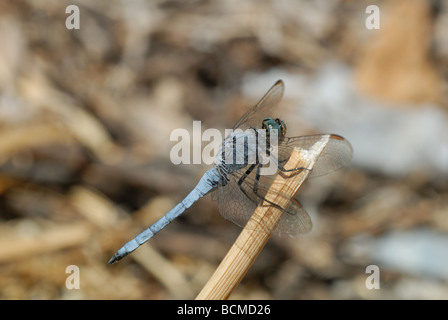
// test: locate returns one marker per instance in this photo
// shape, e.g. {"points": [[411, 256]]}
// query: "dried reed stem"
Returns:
{"points": [[258, 229]]}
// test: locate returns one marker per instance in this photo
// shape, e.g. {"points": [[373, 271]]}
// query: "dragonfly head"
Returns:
{"points": [[274, 124]]}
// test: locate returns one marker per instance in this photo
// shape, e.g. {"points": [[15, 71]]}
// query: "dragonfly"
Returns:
{"points": [[239, 180]]}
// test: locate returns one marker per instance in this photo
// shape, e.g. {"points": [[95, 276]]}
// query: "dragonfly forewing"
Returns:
{"points": [[264, 108], [337, 153]]}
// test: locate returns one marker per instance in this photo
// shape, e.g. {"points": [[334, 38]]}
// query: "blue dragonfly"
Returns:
{"points": [[240, 179]]}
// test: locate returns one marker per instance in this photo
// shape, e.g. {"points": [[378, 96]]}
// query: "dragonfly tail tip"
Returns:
{"points": [[114, 259]]}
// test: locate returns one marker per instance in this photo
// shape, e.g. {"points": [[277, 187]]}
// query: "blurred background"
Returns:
{"points": [[85, 122]]}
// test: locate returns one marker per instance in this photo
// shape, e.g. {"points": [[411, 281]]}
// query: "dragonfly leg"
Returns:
{"points": [[255, 186], [243, 177], [282, 169], [257, 179]]}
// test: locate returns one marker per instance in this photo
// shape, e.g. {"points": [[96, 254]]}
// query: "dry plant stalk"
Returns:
{"points": [[52, 238], [255, 235]]}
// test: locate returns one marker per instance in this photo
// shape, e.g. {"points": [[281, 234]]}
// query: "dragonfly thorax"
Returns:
{"points": [[239, 149], [243, 148]]}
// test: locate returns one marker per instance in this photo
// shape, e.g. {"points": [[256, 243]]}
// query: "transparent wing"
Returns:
{"points": [[237, 202], [245, 190], [254, 116], [337, 153]]}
